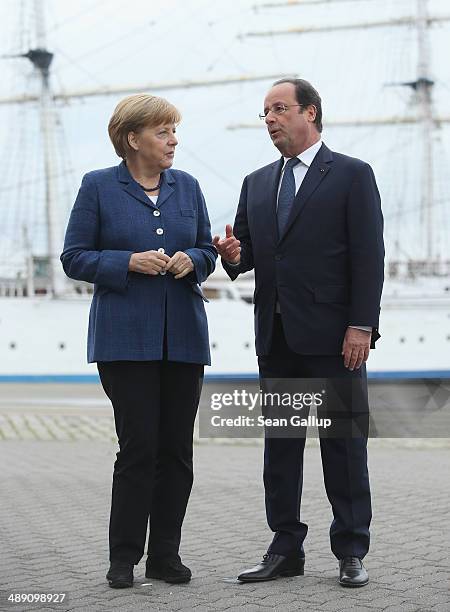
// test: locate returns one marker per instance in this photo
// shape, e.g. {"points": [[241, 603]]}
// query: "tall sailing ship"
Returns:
{"points": [[43, 315]]}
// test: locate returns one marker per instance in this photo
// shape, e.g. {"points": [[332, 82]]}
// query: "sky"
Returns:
{"points": [[135, 43]]}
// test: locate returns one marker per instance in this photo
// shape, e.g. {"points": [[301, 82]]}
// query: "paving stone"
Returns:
{"points": [[55, 508]]}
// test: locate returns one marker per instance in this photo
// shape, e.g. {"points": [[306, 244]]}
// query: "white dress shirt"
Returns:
{"points": [[306, 159]]}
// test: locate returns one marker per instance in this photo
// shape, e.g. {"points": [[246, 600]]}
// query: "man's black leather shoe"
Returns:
{"points": [[169, 569], [273, 566], [352, 572], [120, 575]]}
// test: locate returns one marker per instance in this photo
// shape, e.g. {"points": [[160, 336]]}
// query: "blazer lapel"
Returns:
{"points": [[132, 188], [315, 175], [166, 190]]}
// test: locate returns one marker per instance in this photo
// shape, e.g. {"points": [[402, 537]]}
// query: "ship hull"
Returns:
{"points": [[45, 340]]}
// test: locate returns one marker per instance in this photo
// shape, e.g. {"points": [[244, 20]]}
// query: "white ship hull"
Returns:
{"points": [[45, 339]]}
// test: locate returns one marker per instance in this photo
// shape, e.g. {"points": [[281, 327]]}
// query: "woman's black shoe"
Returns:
{"points": [[169, 569], [120, 575]]}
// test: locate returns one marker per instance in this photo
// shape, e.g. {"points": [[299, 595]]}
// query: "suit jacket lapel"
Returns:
{"points": [[269, 208], [314, 176]]}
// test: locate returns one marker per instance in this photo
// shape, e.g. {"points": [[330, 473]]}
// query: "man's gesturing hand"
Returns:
{"points": [[180, 264], [148, 262], [229, 247], [356, 347]]}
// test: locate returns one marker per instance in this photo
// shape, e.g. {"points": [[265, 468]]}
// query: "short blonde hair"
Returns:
{"points": [[136, 112]]}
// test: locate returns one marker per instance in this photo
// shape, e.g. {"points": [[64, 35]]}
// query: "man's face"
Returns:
{"points": [[290, 131]]}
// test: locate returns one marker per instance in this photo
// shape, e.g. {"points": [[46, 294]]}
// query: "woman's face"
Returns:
{"points": [[155, 146]]}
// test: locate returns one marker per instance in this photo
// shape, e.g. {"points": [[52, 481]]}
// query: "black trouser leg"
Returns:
{"points": [[346, 477], [283, 460], [283, 492], [344, 458], [134, 391], [180, 393]]}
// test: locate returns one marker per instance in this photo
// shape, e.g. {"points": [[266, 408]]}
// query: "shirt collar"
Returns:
{"points": [[307, 156]]}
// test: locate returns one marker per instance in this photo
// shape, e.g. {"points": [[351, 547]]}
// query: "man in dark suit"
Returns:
{"points": [[310, 224]]}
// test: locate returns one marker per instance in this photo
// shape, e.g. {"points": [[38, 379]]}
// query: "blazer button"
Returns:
{"points": [[160, 231], [156, 213], [278, 257], [161, 250]]}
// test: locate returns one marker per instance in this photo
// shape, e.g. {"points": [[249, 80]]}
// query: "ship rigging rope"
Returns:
{"points": [[395, 214], [211, 168], [181, 20], [442, 196], [113, 43], [73, 18], [31, 182], [57, 74], [225, 50]]}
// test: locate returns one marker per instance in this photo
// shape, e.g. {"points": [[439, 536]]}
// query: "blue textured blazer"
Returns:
{"points": [[112, 218]]}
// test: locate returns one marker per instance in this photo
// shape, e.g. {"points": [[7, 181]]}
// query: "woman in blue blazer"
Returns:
{"points": [[140, 232]]}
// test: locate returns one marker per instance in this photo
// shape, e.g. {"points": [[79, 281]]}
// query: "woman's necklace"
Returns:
{"points": [[152, 188]]}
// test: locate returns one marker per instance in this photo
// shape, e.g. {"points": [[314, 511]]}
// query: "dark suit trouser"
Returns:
{"points": [[344, 462], [154, 403]]}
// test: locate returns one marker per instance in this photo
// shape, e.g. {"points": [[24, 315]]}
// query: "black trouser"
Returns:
{"points": [[344, 462], [154, 403]]}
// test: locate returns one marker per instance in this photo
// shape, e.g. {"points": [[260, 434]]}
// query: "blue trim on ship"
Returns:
{"points": [[213, 378]]}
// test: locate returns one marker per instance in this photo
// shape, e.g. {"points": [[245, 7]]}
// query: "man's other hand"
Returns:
{"points": [[229, 248]]}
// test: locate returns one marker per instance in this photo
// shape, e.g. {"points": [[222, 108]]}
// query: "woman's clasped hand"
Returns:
{"points": [[154, 262]]}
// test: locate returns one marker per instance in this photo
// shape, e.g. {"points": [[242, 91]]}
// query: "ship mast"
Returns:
{"points": [[423, 87], [41, 59]]}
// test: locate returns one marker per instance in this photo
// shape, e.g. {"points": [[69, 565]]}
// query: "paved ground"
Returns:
{"points": [[55, 495]]}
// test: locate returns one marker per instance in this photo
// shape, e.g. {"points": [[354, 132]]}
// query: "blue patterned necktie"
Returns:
{"points": [[286, 195]]}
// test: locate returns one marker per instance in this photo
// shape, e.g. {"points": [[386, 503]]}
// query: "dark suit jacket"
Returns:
{"points": [[112, 218], [326, 270]]}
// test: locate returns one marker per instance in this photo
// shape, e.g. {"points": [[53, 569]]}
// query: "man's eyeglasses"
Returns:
{"points": [[277, 109]]}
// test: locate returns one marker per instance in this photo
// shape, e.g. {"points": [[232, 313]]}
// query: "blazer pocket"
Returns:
{"points": [[180, 213], [331, 294]]}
